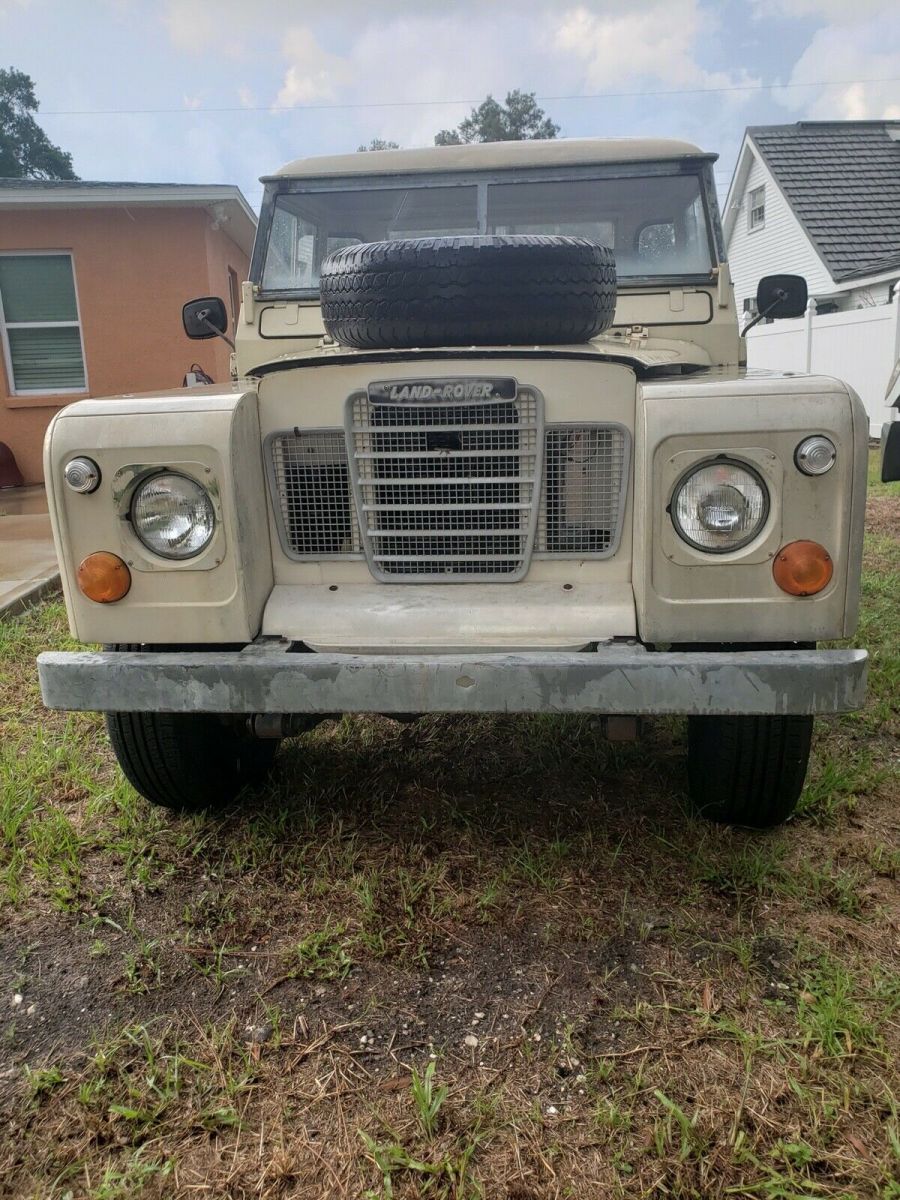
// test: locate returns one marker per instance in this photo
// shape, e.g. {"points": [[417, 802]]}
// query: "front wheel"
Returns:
{"points": [[187, 761], [748, 770]]}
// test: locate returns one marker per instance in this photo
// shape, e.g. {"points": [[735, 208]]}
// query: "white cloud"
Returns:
{"points": [[313, 73], [657, 40], [865, 51], [196, 27]]}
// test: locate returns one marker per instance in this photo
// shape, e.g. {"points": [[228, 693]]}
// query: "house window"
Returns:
{"points": [[39, 323], [234, 296], [757, 208]]}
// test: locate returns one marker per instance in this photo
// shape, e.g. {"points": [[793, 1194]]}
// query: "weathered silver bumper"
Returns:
{"points": [[624, 679]]}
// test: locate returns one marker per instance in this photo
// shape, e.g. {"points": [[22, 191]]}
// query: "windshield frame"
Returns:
{"points": [[700, 168]]}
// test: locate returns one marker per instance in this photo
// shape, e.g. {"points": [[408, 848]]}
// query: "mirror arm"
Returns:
{"points": [[782, 295], [212, 329]]}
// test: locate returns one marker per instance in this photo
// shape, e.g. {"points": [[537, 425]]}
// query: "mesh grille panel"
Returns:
{"points": [[447, 489], [313, 496], [461, 506], [585, 475]]}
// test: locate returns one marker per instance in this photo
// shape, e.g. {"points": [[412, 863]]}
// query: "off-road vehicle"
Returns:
{"points": [[491, 447]]}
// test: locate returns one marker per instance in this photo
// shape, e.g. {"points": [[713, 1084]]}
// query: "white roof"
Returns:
{"points": [[493, 156]]}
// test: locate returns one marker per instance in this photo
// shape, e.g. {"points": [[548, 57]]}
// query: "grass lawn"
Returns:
{"points": [[472, 957]]}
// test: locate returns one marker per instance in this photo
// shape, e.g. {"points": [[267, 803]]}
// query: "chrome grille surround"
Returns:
{"points": [[585, 484], [447, 490], [309, 482]]}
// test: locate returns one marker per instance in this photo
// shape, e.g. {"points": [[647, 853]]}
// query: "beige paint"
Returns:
{"points": [[683, 595], [505, 616], [647, 331], [572, 391], [208, 434], [654, 585], [493, 156], [678, 595]]}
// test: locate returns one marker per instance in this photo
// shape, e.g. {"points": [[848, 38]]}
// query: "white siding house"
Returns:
{"points": [[822, 200], [819, 199], [775, 245]]}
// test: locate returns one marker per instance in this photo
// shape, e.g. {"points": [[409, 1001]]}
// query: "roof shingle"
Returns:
{"points": [[842, 180]]}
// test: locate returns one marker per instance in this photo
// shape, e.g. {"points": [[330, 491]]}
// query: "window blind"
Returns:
{"points": [[46, 359], [40, 315]]}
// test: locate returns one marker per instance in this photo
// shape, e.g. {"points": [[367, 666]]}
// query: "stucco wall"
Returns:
{"points": [[134, 269]]}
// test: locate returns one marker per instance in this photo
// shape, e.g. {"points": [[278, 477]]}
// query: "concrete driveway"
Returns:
{"points": [[28, 567]]}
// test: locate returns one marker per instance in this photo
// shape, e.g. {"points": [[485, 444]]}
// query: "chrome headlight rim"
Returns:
{"points": [[720, 460], [203, 496]]}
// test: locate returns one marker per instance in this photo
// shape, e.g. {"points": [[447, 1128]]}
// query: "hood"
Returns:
{"points": [[642, 353]]}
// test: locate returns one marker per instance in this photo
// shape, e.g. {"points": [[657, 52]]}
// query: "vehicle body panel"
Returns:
{"points": [[574, 633]]}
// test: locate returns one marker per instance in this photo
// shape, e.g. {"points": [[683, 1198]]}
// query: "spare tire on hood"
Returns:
{"points": [[468, 291]]}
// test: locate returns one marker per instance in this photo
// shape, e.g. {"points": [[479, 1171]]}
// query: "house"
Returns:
{"points": [[822, 199], [93, 277], [819, 199]]}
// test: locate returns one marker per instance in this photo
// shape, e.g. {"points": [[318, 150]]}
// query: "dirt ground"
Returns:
{"points": [[467, 957]]}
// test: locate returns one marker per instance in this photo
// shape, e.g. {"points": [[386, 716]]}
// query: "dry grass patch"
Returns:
{"points": [[471, 957]]}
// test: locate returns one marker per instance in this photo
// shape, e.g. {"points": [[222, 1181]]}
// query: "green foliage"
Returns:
{"points": [[378, 144], [829, 1012], [428, 1099], [25, 150], [322, 954], [718, 1010], [43, 1080], [520, 119]]}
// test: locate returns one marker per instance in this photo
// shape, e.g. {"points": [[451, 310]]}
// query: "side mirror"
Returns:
{"points": [[890, 452], [781, 296], [205, 318]]}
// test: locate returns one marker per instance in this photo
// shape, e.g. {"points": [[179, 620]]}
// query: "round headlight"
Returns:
{"points": [[720, 506], [815, 455], [173, 516]]}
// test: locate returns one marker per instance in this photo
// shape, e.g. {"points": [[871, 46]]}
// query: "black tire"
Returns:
{"points": [[187, 761], [748, 770], [468, 291]]}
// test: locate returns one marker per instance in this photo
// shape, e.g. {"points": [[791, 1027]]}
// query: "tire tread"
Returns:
{"points": [[185, 761], [499, 290], [748, 770]]}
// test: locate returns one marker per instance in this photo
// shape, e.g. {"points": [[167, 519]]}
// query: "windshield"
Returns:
{"points": [[655, 225]]}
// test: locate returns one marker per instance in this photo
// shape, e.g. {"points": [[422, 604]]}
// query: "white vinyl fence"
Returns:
{"points": [[860, 346]]}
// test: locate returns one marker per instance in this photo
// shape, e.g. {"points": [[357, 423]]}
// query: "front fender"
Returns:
{"points": [[209, 433]]}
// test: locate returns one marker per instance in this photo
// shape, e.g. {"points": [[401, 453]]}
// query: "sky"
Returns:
{"points": [[226, 91]]}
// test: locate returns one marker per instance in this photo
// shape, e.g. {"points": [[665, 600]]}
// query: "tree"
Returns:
{"points": [[520, 120], [378, 144], [25, 150]]}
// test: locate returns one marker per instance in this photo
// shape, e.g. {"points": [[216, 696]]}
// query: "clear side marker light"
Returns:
{"points": [[815, 455], [82, 475]]}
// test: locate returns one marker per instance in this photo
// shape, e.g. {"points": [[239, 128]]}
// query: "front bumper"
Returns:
{"points": [[627, 679]]}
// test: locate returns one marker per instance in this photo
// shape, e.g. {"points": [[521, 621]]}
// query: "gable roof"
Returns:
{"points": [[224, 202], [842, 181]]}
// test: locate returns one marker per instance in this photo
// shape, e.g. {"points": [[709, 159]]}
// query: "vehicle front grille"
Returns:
{"points": [[585, 481], [447, 490], [311, 494]]}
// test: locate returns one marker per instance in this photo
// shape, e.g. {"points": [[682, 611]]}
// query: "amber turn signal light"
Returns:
{"points": [[802, 568], [104, 577]]}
